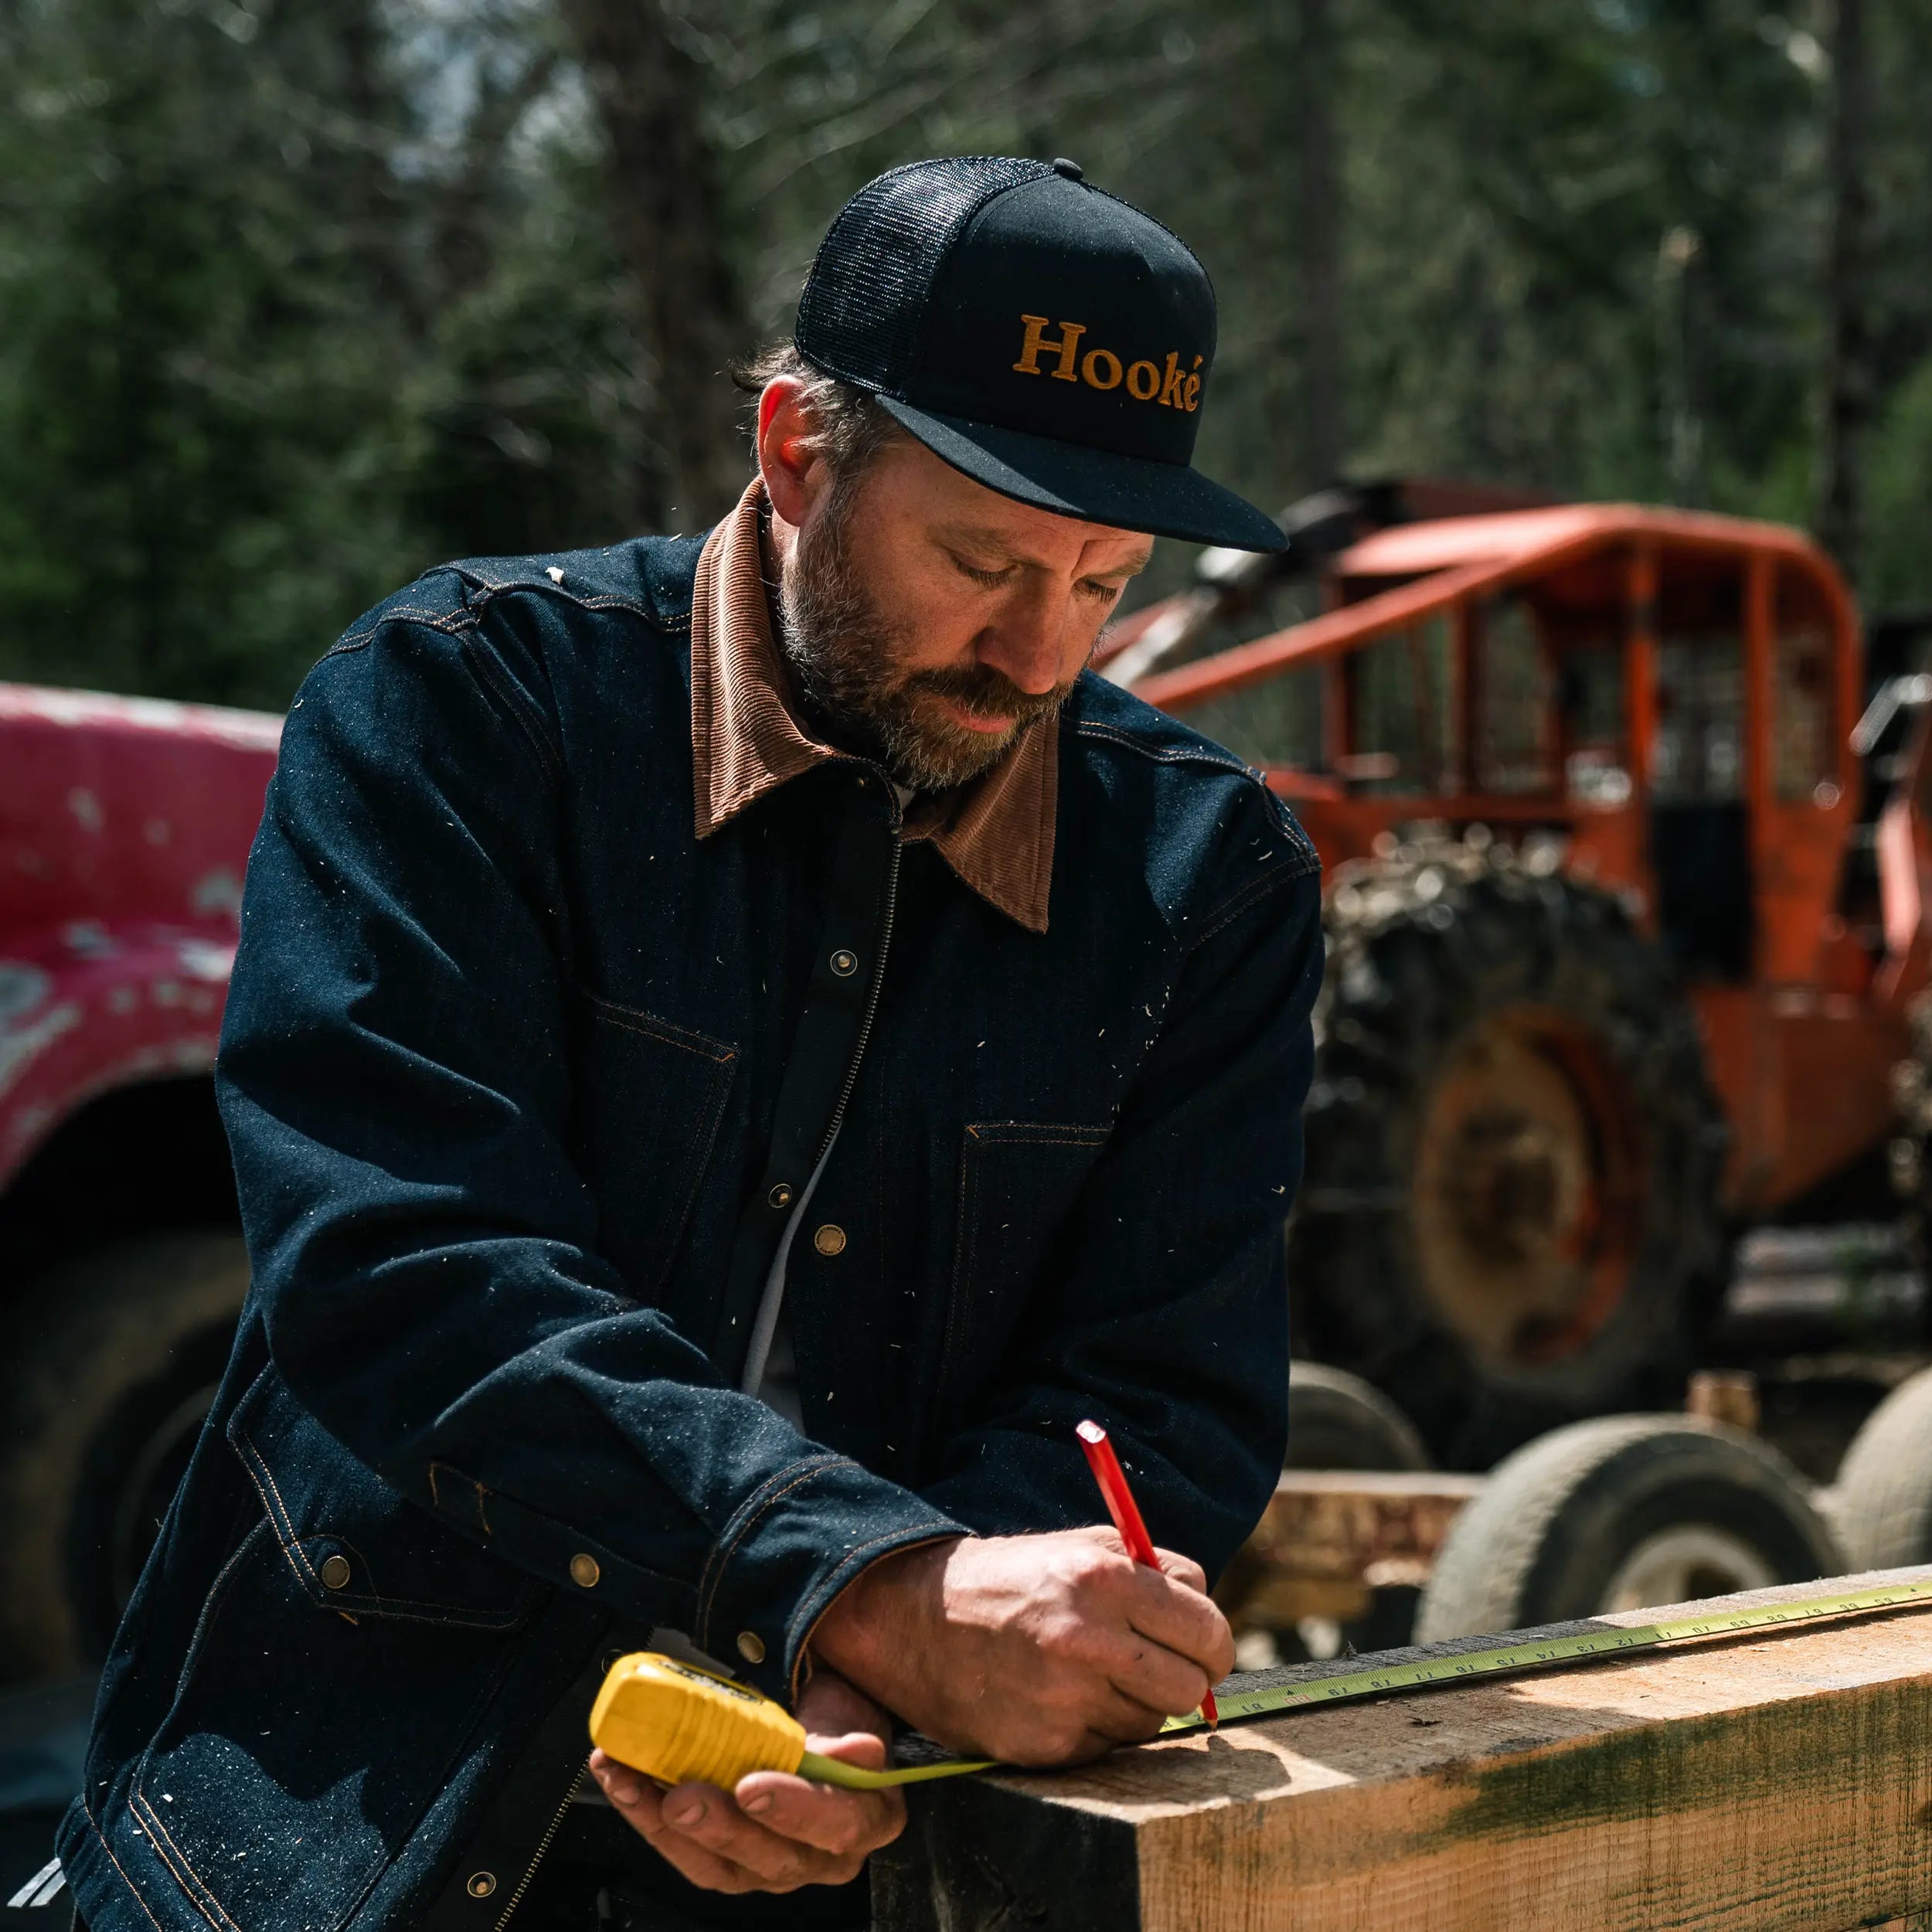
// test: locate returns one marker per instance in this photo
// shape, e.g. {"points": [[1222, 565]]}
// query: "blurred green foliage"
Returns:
{"points": [[298, 296]]}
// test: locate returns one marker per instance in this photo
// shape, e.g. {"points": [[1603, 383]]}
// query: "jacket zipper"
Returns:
{"points": [[872, 1002], [543, 1846]]}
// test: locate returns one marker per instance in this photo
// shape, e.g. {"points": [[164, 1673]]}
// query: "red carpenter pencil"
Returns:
{"points": [[1125, 1511]]}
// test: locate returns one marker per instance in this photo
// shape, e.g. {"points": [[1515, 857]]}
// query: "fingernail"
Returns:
{"points": [[758, 1806], [623, 1794], [688, 1810]]}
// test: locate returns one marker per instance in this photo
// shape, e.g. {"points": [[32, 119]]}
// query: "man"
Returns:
{"points": [[738, 1044]]}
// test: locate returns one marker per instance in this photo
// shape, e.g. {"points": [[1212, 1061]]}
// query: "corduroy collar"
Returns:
{"points": [[996, 833]]}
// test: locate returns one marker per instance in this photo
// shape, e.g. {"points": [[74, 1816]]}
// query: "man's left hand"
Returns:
{"points": [[774, 1833]]}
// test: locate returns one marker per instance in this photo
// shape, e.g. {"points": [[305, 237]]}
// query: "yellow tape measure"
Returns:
{"points": [[1605, 1641], [679, 1724]]}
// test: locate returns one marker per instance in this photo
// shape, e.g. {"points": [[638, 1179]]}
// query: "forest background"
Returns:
{"points": [[299, 297]]}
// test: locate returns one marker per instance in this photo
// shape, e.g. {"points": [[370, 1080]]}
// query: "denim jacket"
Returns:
{"points": [[499, 1069]]}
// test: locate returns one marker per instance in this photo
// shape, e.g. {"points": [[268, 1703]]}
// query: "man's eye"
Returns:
{"points": [[988, 577], [1099, 593]]}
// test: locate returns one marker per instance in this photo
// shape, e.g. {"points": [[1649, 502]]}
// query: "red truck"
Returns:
{"points": [[124, 829]]}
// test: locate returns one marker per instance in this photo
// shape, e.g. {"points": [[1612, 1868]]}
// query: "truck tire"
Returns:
{"points": [[1511, 1214], [112, 1362], [1618, 1513], [1882, 1501], [1338, 1421]]}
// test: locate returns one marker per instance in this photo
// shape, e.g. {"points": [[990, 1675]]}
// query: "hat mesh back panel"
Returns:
{"points": [[880, 258]]}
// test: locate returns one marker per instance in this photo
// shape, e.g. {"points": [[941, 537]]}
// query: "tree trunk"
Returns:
{"points": [[1325, 422], [1848, 375], [666, 212], [463, 240], [361, 159]]}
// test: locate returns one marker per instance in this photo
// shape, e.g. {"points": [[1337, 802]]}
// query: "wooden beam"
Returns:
{"points": [[1776, 1782]]}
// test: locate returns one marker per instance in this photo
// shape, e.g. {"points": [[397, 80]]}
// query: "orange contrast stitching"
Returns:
{"points": [[190, 1881], [101, 1838], [706, 1591], [289, 1542], [672, 1035]]}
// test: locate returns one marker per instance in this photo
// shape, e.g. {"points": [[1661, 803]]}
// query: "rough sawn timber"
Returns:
{"points": [[1778, 1780]]}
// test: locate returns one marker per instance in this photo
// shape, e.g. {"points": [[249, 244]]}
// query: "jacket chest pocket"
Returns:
{"points": [[651, 1098], [1018, 1183]]}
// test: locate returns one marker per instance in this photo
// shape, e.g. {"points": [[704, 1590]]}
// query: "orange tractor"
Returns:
{"points": [[1628, 875]]}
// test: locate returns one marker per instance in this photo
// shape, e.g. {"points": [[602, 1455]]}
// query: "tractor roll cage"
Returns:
{"points": [[1447, 567]]}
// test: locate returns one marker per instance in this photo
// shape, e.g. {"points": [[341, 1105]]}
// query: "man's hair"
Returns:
{"points": [[851, 427]]}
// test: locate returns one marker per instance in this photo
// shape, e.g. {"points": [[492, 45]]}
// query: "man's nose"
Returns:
{"points": [[1024, 644]]}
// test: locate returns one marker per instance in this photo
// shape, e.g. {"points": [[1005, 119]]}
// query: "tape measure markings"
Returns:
{"points": [[1459, 1667]]}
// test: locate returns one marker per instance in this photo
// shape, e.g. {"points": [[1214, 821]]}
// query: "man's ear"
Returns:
{"points": [[794, 471]]}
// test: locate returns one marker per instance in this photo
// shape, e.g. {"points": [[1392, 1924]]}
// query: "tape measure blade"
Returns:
{"points": [[1603, 1640], [853, 1778]]}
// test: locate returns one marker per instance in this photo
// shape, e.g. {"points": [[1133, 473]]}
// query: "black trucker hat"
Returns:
{"points": [[1041, 335]]}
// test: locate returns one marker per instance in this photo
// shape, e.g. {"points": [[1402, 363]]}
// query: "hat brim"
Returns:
{"points": [[1097, 486]]}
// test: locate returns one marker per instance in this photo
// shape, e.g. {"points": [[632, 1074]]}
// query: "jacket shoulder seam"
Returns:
{"points": [[1161, 754], [449, 622], [1283, 872], [457, 624], [1307, 859], [488, 588]]}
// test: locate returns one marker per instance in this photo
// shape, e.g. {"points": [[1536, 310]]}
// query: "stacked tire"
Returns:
{"points": [[1620, 1514], [1882, 1501]]}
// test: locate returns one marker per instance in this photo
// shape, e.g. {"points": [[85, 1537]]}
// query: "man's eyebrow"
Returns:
{"points": [[993, 544], [1132, 568]]}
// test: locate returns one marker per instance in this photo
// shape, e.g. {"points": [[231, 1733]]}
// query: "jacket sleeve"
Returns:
{"points": [[394, 1077], [1163, 1314]]}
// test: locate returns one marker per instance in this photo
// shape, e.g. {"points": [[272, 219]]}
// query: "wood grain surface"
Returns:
{"points": [[1772, 1781]]}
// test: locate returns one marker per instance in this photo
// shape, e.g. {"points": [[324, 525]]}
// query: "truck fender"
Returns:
{"points": [[100, 1004]]}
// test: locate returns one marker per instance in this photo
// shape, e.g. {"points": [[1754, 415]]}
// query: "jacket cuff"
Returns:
{"points": [[792, 1546]]}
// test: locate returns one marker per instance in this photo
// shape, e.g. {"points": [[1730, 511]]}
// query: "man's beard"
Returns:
{"points": [[849, 659]]}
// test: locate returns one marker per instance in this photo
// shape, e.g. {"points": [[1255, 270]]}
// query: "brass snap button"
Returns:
{"points": [[480, 1885], [751, 1647], [583, 1570], [335, 1573], [830, 1240], [781, 1196], [845, 964]]}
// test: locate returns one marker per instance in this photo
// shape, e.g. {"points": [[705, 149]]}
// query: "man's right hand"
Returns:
{"points": [[1034, 1650]]}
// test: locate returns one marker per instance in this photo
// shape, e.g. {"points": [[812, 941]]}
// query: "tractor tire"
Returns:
{"points": [[1620, 1514], [111, 1365], [1882, 1500], [1510, 1215], [1338, 1421]]}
